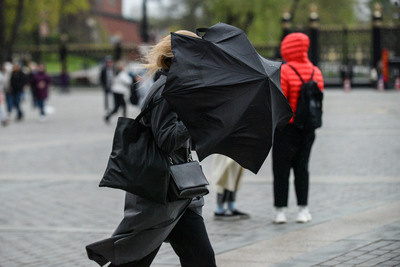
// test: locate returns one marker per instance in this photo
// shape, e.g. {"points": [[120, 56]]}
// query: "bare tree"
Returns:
{"points": [[2, 32], [7, 44]]}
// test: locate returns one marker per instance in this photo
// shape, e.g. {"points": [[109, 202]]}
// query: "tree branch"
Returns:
{"points": [[15, 28], [293, 9], [2, 33]]}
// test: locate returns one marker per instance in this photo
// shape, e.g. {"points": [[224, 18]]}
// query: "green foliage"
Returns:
{"points": [[74, 63], [390, 12], [37, 11], [337, 12], [261, 19]]}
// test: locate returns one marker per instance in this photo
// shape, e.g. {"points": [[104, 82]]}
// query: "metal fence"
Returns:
{"points": [[338, 51], [345, 52]]}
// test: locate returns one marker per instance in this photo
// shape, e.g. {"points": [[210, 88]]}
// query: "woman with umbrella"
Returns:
{"points": [[147, 224]]}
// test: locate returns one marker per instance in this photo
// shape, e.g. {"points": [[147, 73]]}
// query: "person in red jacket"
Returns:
{"points": [[292, 146]]}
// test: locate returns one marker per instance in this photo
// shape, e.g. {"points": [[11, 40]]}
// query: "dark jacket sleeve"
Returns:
{"points": [[169, 133], [103, 81]]}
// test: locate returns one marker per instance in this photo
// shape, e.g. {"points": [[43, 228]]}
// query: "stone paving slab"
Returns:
{"points": [[379, 247], [51, 207], [305, 246]]}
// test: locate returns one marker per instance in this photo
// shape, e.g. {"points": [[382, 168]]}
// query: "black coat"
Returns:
{"points": [[17, 81], [147, 224], [103, 76]]}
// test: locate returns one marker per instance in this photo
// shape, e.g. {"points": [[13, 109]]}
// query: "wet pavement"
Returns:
{"points": [[51, 205]]}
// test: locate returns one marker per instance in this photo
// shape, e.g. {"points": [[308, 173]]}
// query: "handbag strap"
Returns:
{"points": [[148, 108], [189, 159], [150, 105]]}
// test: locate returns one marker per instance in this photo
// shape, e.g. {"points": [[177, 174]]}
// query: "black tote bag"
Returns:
{"points": [[136, 164]]}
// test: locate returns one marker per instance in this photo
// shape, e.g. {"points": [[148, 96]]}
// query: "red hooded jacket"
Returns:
{"points": [[294, 49]]}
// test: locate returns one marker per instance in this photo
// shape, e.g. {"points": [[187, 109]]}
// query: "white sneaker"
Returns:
{"points": [[280, 217], [42, 118], [304, 215]]}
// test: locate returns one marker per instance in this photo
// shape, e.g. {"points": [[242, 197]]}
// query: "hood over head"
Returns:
{"points": [[295, 46]]}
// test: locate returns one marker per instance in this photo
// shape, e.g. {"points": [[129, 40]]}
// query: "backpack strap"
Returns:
{"points": [[312, 74], [298, 74]]}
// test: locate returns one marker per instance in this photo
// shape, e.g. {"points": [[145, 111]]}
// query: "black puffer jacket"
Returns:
{"points": [[17, 81]]}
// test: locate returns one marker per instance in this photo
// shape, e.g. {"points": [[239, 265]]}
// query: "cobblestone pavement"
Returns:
{"points": [[51, 206]]}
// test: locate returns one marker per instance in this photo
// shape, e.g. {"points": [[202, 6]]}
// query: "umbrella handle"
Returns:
{"points": [[201, 31]]}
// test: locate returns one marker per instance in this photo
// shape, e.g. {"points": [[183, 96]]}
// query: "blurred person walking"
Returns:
{"points": [[292, 145], [64, 81], [134, 94], [3, 116], [41, 82], [7, 71], [227, 175], [17, 83], [120, 88], [33, 69], [106, 79]]}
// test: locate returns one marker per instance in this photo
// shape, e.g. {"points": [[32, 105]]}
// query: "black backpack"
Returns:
{"points": [[308, 114]]}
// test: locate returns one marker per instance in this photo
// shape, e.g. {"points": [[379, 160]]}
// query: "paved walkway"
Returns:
{"points": [[51, 207]]}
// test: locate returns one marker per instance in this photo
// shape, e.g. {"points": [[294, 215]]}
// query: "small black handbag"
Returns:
{"points": [[187, 181]]}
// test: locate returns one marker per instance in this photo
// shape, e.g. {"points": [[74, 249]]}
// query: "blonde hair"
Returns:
{"points": [[160, 55]]}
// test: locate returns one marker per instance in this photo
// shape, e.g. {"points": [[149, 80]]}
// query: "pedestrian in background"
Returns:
{"points": [[41, 82], [7, 71], [120, 88], [134, 94], [292, 146], [33, 68], [227, 175], [106, 79], [17, 83], [64, 81], [3, 116]]}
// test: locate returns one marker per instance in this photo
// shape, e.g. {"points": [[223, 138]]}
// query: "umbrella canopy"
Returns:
{"points": [[227, 95]]}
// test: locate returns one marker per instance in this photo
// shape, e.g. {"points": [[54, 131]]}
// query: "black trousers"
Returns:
{"points": [[292, 148], [119, 101], [190, 242], [107, 91]]}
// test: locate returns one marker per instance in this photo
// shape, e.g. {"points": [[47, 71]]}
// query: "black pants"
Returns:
{"points": [[292, 148], [107, 92], [17, 98], [190, 242], [119, 101]]}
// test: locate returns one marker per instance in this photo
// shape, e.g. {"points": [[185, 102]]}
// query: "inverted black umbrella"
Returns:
{"points": [[227, 95]]}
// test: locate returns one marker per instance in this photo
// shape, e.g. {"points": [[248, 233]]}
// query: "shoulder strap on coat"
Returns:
{"points": [[148, 108], [148, 105]]}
